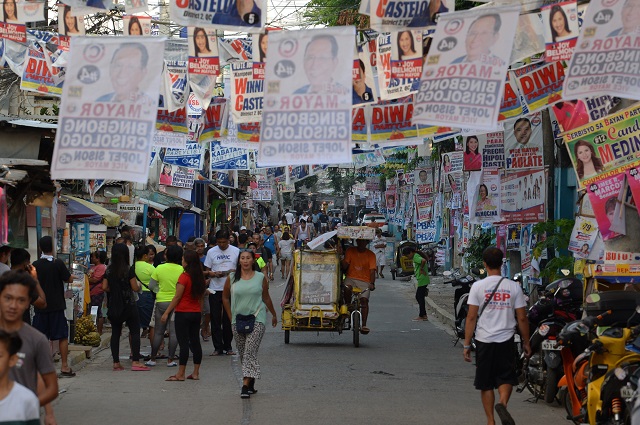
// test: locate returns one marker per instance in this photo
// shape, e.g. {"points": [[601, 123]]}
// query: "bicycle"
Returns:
{"points": [[354, 316]]}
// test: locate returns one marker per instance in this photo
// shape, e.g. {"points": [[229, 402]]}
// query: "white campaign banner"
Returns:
{"points": [[523, 142], [247, 93], [307, 101], [465, 70], [235, 15], [108, 109], [605, 59], [483, 191], [399, 63]]}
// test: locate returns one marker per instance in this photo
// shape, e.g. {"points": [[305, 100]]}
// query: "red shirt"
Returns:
{"points": [[187, 303]]}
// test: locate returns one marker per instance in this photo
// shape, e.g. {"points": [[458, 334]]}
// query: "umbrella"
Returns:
{"points": [[88, 212], [320, 240]]}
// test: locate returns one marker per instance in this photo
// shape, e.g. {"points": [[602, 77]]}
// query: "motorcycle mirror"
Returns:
{"points": [[565, 272], [446, 273], [593, 298], [477, 271]]}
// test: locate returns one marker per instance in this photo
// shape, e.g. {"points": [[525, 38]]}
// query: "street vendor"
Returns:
{"points": [[359, 264]]}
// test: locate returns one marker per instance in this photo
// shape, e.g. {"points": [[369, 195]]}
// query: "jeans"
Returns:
{"points": [[421, 294], [159, 332], [188, 334], [133, 323], [221, 333]]}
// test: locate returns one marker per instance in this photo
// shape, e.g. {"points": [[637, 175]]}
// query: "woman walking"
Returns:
{"points": [[188, 306], [119, 284], [246, 293]]}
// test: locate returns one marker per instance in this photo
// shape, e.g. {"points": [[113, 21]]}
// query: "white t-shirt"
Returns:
{"points": [[286, 247], [221, 261], [498, 321], [379, 240], [21, 406], [290, 218]]}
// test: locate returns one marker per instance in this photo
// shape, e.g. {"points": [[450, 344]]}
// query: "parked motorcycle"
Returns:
{"points": [[559, 304], [460, 297]]}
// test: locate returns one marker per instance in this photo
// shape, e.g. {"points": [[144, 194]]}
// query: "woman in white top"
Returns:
{"points": [[303, 233], [286, 254]]}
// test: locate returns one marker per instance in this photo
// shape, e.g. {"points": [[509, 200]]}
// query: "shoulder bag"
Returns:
{"points": [[488, 300], [246, 322]]}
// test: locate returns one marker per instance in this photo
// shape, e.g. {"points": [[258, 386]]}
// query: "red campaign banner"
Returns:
{"points": [[541, 84], [633, 180], [510, 106], [603, 195], [13, 32]]}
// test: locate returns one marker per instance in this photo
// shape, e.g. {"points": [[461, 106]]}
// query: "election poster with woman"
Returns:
{"points": [[560, 22], [606, 201]]}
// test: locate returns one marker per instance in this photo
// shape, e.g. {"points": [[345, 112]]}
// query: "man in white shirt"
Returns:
{"points": [[495, 348], [288, 215], [378, 246], [221, 260]]}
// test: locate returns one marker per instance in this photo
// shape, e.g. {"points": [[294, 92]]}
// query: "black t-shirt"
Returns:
{"points": [[119, 284], [323, 218], [52, 276], [158, 259]]}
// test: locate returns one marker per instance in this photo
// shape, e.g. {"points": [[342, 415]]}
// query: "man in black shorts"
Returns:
{"points": [[495, 348]]}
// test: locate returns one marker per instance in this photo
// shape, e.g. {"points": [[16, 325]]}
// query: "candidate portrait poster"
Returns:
{"points": [[365, 77], [14, 14], [39, 75], [513, 237], [523, 196], [70, 24], [176, 176], [136, 25], [398, 15], [423, 181], [486, 197], [247, 93], [399, 63], [540, 84], [604, 195], [523, 142], [604, 59], [232, 15], [465, 70], [560, 21], [605, 147], [452, 162], [203, 51], [583, 236], [108, 109], [307, 103]]}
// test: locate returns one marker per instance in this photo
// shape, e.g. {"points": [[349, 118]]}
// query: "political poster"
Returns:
{"points": [[136, 25], [501, 239], [633, 180], [307, 112], [423, 181], [424, 205], [175, 92], [453, 182], [571, 114], [391, 121], [604, 61], [247, 93], [39, 76], [232, 15], [214, 117], [583, 236], [523, 196], [368, 159], [226, 158], [606, 147], [15, 14], [203, 51], [465, 70], [529, 39], [560, 21], [171, 128], [175, 176], [230, 179], [523, 142], [188, 157], [70, 24], [235, 49], [511, 104], [485, 197], [540, 84], [259, 45], [452, 162], [286, 188], [399, 63], [365, 77], [109, 108], [397, 15], [359, 129], [136, 6], [513, 237], [604, 195], [244, 136], [426, 232]]}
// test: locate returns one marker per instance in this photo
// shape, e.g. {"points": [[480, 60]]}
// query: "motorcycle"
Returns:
{"points": [[460, 297], [559, 304]]}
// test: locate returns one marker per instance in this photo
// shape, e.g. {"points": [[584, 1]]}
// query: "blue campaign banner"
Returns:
{"points": [[189, 157], [80, 243], [227, 158]]}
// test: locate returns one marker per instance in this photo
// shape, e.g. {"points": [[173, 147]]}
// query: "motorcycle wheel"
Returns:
{"points": [[565, 400], [551, 385]]}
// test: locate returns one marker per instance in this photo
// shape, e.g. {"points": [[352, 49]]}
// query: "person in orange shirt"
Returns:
{"points": [[359, 264]]}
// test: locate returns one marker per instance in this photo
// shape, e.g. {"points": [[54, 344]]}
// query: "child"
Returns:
{"points": [[18, 405]]}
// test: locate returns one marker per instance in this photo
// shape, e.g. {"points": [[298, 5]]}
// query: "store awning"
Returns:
{"points": [[218, 191], [87, 212], [162, 201]]}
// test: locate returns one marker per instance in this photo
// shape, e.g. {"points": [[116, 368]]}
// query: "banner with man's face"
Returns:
{"points": [[601, 64], [232, 15], [523, 142], [397, 15], [108, 109], [365, 77], [465, 70], [308, 94]]}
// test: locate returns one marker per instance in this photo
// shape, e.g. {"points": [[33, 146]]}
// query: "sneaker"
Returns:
{"points": [[252, 390], [244, 393], [504, 415], [150, 363], [172, 364]]}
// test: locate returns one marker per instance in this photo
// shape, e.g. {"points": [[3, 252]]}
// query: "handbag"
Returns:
{"points": [[245, 323]]}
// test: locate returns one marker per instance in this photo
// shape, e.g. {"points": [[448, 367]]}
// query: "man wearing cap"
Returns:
{"points": [[359, 265]]}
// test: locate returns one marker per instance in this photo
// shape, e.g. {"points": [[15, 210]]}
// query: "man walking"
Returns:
{"points": [[494, 304], [379, 246], [51, 321]]}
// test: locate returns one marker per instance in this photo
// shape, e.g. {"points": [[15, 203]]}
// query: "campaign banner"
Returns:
{"points": [[452, 162], [286, 188], [365, 77], [38, 76], [633, 180], [511, 105], [571, 114], [225, 158], [426, 232], [307, 113], [604, 195], [359, 127], [372, 184], [501, 238], [529, 39], [399, 60], [175, 176], [583, 236], [605, 147], [523, 142], [70, 24], [423, 181], [560, 21], [174, 85], [385, 15], [136, 25], [368, 159], [525, 249], [604, 59], [188, 157], [136, 6], [203, 51], [453, 182], [513, 237], [174, 123], [214, 117], [229, 179], [109, 108], [486, 198], [259, 45], [247, 93], [483, 151], [523, 196], [300, 172], [231, 15], [463, 77], [243, 136], [391, 120], [423, 204], [540, 84]]}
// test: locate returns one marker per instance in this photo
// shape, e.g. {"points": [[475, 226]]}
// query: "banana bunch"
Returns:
{"points": [[92, 339], [84, 327]]}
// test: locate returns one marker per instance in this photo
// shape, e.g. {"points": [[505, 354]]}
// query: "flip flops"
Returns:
{"points": [[140, 368], [192, 378], [69, 374], [364, 330], [117, 368], [173, 378]]}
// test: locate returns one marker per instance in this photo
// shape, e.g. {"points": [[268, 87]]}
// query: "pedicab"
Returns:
{"points": [[402, 266], [313, 300]]}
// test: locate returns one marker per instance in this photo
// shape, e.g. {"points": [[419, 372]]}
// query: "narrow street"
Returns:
{"points": [[404, 372]]}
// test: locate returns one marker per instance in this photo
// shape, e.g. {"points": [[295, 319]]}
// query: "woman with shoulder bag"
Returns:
{"points": [[120, 283], [245, 298]]}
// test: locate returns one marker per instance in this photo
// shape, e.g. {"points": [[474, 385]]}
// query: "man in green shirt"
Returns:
{"points": [[422, 276]]}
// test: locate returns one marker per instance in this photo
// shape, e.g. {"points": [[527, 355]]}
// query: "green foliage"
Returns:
{"points": [[342, 180], [558, 236], [477, 244], [439, 148], [309, 182], [331, 12]]}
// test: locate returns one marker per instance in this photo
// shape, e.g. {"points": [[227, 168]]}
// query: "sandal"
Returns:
{"points": [[192, 378], [230, 353], [173, 378], [68, 374], [364, 330], [118, 368]]}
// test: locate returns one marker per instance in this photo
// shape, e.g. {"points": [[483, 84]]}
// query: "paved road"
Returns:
{"points": [[403, 373]]}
